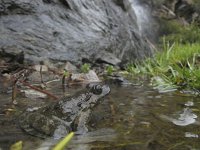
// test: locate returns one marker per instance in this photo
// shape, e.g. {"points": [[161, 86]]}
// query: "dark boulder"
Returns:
{"points": [[71, 30], [185, 10]]}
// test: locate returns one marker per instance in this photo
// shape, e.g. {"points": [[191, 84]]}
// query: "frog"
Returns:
{"points": [[70, 113]]}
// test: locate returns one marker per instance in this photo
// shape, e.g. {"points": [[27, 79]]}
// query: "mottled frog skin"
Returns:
{"points": [[59, 118]]}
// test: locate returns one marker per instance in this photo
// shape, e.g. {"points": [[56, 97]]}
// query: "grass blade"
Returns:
{"points": [[63, 143]]}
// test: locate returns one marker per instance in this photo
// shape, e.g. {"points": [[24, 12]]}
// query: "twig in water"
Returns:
{"points": [[112, 108], [42, 81], [20, 74], [14, 92], [37, 89], [63, 81], [65, 74]]}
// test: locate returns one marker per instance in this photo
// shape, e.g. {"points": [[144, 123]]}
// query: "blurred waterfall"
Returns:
{"points": [[142, 13]]}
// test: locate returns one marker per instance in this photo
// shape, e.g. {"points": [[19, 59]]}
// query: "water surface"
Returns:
{"points": [[130, 118]]}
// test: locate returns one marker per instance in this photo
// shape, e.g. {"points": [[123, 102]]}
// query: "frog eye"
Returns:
{"points": [[79, 104], [96, 89]]}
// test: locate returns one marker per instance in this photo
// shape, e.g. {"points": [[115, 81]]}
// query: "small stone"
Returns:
{"points": [[70, 67], [15, 102], [43, 68], [6, 75], [91, 76], [33, 94], [108, 58]]}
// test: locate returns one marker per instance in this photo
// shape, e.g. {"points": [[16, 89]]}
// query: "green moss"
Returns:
{"points": [[109, 70], [85, 68]]}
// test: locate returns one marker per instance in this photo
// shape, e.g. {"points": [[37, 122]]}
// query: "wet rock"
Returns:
{"points": [[107, 58], [91, 76], [175, 9], [70, 30], [32, 94], [118, 80], [185, 9], [54, 66], [164, 13], [35, 77], [39, 68], [70, 67], [5, 82], [12, 56]]}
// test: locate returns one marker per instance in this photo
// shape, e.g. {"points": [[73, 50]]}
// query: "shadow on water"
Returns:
{"points": [[130, 118]]}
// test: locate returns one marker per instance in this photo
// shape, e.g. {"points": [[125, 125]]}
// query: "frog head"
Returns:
{"points": [[96, 92], [99, 90]]}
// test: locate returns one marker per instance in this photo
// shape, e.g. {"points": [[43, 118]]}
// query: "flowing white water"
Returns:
{"points": [[142, 13], [144, 19]]}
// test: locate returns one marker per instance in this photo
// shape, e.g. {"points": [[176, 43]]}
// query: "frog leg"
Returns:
{"points": [[62, 129], [32, 123], [82, 121]]}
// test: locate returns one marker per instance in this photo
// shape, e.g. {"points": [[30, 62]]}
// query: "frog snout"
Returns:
{"points": [[105, 89], [97, 89]]}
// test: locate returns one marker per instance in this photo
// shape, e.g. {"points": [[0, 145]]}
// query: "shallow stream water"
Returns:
{"points": [[134, 117]]}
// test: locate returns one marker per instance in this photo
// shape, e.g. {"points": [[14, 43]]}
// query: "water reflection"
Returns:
{"points": [[186, 117], [191, 135], [82, 142]]}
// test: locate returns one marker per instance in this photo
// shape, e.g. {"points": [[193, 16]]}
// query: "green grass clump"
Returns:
{"points": [[85, 68], [109, 70], [175, 53], [176, 66], [63, 143]]}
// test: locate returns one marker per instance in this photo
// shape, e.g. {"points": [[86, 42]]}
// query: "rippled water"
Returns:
{"points": [[130, 118]]}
